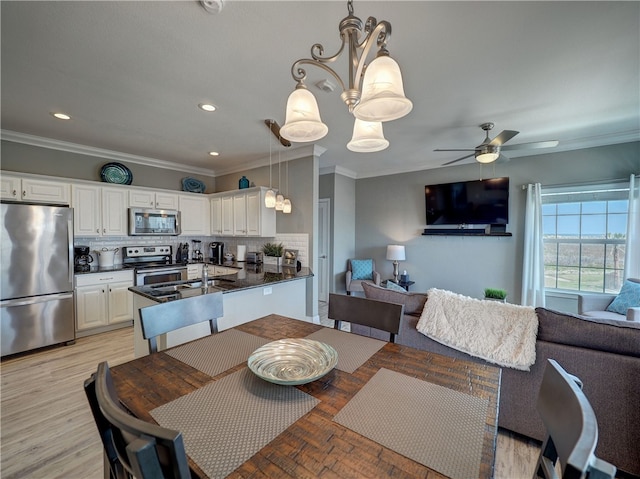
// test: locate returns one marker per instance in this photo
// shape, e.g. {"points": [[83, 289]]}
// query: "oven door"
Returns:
{"points": [[155, 276]]}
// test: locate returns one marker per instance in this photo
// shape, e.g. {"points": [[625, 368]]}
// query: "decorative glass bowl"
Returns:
{"points": [[293, 361]]}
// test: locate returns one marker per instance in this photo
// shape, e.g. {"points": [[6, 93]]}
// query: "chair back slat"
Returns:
{"points": [[571, 426], [366, 312], [165, 317]]}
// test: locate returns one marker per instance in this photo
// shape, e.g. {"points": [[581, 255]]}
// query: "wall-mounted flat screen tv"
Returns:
{"points": [[478, 202]]}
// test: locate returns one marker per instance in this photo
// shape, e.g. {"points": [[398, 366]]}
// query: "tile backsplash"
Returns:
{"points": [[298, 241]]}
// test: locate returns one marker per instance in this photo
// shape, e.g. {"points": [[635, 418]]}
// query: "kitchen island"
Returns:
{"points": [[251, 293]]}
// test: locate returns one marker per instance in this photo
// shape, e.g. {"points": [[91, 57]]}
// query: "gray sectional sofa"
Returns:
{"points": [[604, 354]]}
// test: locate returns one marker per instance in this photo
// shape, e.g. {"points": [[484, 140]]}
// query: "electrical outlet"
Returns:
{"points": [[266, 291]]}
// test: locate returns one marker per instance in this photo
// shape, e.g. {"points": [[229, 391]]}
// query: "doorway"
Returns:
{"points": [[324, 248]]}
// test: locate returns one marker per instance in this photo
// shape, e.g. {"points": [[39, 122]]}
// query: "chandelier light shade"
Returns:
{"points": [[367, 137], [270, 199], [279, 202], [382, 92], [286, 207], [372, 92], [303, 123]]}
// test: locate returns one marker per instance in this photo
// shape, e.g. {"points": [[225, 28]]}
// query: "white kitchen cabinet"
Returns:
{"points": [[99, 211], [216, 215], [31, 189], [153, 199], [216, 270], [240, 214], [195, 215], [227, 216], [194, 271], [103, 299]]}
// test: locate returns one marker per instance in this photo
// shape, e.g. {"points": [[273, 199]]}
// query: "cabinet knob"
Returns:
{"points": [[15, 193], [97, 230], [104, 230], [24, 193]]}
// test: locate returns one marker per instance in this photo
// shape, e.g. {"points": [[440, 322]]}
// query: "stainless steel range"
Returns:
{"points": [[153, 264]]}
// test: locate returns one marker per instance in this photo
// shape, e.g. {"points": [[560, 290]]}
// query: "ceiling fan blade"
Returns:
{"points": [[503, 137], [459, 159], [458, 149], [502, 159], [532, 145]]}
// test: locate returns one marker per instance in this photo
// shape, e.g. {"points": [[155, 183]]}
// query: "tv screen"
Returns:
{"points": [[468, 202]]}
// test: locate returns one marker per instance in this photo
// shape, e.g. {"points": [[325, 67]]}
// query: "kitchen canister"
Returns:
{"points": [[243, 183], [241, 253], [106, 257]]}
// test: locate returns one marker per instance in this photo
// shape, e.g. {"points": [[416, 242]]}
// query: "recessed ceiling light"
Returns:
{"points": [[207, 107], [60, 116], [214, 153]]}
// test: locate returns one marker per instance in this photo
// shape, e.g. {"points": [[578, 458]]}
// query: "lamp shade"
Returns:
{"points": [[382, 92], [279, 202], [270, 199], [395, 252], [286, 208], [487, 157], [303, 123], [367, 137]]}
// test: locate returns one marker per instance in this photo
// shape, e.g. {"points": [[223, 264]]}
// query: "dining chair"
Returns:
{"points": [[143, 450], [572, 429], [165, 317], [366, 312]]}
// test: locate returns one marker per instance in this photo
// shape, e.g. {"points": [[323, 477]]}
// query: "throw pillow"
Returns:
{"points": [[394, 287], [413, 302], [361, 269], [628, 297]]}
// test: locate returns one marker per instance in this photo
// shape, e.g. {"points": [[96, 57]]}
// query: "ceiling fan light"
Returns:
{"points": [[286, 207], [270, 199], [382, 92], [368, 137], [303, 123], [488, 157]]}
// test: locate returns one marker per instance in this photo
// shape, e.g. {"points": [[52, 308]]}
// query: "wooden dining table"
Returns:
{"points": [[316, 445]]}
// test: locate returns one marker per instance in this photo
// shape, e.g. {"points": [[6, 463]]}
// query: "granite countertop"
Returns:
{"points": [[248, 276]]}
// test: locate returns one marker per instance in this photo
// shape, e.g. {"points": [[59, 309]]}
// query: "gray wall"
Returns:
{"points": [[25, 158], [391, 210]]}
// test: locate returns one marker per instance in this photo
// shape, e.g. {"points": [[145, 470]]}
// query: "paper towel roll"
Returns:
{"points": [[242, 252]]}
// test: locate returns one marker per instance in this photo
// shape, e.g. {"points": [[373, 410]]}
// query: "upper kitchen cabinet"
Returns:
{"points": [[30, 189], [242, 213], [159, 200], [195, 215], [99, 211]]}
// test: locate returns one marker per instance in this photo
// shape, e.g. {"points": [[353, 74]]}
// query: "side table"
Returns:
{"points": [[403, 284]]}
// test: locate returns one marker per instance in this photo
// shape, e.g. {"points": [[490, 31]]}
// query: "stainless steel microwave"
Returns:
{"points": [[148, 222]]}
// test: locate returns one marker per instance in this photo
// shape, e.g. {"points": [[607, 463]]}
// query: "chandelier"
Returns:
{"points": [[374, 92]]}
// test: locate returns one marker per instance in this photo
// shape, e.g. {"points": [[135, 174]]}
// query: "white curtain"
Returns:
{"points": [[533, 265], [632, 250]]}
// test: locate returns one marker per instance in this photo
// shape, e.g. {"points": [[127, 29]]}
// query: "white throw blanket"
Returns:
{"points": [[500, 333]]}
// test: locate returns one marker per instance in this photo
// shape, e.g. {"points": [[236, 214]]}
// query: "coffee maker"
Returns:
{"points": [[81, 259], [217, 252]]}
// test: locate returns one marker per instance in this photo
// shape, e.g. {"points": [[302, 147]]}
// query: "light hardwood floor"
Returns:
{"points": [[47, 430]]}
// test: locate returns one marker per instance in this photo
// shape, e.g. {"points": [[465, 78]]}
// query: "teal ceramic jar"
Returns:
{"points": [[244, 182]]}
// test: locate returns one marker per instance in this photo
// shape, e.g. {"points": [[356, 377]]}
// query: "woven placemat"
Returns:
{"points": [[353, 350], [228, 421], [438, 427], [216, 353]]}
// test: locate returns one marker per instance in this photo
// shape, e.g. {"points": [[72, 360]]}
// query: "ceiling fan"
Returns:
{"points": [[490, 150]]}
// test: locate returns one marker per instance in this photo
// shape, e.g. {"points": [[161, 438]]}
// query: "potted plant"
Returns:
{"points": [[274, 250], [495, 294]]}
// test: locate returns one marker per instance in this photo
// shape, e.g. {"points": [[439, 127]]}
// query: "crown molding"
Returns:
{"points": [[285, 155], [53, 144], [338, 170]]}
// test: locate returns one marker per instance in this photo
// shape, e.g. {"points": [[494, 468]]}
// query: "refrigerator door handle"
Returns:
{"points": [[70, 236], [34, 300]]}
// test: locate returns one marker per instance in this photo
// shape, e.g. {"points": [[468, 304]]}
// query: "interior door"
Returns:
{"points": [[324, 248]]}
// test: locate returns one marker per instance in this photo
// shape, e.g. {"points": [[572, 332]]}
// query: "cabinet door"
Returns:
{"points": [[10, 188], [142, 199], [240, 215], [87, 215], [227, 216], [194, 213], [166, 201], [114, 212], [216, 215], [194, 271], [120, 302], [91, 307], [45, 191], [254, 208]]}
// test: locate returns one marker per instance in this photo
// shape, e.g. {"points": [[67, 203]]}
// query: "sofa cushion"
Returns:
{"points": [[609, 335], [413, 302], [629, 297], [394, 287], [361, 269]]}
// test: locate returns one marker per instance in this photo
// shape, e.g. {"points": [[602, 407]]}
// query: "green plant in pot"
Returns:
{"points": [[273, 249], [495, 294]]}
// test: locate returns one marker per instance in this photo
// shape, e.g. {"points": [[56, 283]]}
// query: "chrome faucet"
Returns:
{"points": [[205, 276]]}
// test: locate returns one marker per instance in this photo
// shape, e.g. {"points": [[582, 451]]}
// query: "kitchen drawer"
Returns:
{"points": [[89, 279]]}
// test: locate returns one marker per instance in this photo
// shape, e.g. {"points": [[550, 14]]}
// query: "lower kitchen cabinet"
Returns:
{"points": [[103, 301]]}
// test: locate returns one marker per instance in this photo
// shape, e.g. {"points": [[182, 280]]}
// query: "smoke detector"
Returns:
{"points": [[212, 6], [326, 86]]}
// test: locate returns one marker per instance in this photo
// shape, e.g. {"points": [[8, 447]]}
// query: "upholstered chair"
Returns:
{"points": [[359, 271], [600, 305]]}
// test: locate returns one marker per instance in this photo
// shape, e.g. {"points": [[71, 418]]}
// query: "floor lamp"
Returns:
{"points": [[395, 253]]}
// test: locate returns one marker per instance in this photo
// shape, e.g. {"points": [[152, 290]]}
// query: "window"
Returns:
{"points": [[584, 236]]}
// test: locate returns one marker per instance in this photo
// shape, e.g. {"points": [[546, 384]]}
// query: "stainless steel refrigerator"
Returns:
{"points": [[37, 277]]}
